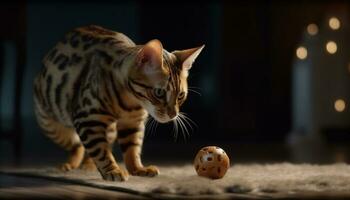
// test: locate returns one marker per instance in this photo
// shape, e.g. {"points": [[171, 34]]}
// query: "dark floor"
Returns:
{"points": [[12, 187], [15, 187], [165, 153]]}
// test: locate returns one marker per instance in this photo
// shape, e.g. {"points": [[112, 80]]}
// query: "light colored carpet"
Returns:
{"points": [[253, 180]]}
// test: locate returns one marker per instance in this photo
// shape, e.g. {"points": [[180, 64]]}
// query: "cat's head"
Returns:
{"points": [[159, 79]]}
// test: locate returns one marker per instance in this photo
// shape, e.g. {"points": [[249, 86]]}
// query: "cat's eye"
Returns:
{"points": [[181, 95], [159, 92]]}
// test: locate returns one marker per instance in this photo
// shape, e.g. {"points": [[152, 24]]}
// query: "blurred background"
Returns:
{"points": [[274, 77]]}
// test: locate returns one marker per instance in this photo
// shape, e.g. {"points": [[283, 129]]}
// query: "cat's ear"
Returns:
{"points": [[188, 56], [150, 57]]}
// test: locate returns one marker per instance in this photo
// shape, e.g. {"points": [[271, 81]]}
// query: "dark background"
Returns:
{"points": [[244, 74]]}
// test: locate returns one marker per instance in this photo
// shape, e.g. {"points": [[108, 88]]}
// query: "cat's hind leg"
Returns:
{"points": [[69, 140], [65, 137]]}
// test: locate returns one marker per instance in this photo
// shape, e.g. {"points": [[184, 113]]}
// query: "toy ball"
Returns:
{"points": [[211, 162]]}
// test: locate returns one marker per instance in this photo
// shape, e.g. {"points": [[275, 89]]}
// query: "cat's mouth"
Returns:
{"points": [[162, 117], [163, 121]]}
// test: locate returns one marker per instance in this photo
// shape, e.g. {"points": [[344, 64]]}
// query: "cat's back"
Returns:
{"points": [[83, 40], [71, 54], [66, 64], [103, 36]]}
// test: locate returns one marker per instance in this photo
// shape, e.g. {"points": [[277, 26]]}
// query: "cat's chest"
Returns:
{"points": [[127, 119]]}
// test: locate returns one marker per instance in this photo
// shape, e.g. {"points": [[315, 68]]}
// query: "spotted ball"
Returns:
{"points": [[211, 162]]}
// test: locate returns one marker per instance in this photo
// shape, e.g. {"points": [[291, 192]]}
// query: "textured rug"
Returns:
{"points": [[254, 180]]}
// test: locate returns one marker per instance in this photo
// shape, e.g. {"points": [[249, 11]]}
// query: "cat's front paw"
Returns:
{"points": [[116, 174], [149, 171], [91, 167], [88, 165], [67, 167]]}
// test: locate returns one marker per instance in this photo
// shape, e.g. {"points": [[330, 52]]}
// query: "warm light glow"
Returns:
{"points": [[301, 52], [331, 47], [339, 105], [349, 67], [334, 23], [312, 29]]}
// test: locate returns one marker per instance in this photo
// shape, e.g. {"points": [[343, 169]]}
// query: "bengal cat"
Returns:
{"points": [[97, 86]]}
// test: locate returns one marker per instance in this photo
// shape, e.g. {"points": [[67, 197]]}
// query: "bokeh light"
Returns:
{"points": [[334, 23], [301, 52], [339, 105], [312, 29], [331, 47]]}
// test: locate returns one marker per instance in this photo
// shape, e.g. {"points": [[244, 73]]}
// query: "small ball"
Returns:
{"points": [[211, 162]]}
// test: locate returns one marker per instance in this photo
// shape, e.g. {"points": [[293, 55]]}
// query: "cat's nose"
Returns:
{"points": [[172, 113]]}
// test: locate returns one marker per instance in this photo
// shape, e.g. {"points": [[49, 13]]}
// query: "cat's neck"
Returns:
{"points": [[116, 77]]}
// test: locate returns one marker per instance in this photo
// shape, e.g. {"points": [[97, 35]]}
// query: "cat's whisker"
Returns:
{"points": [[194, 87], [188, 131], [189, 120], [150, 127], [194, 91], [150, 124], [182, 121], [148, 121], [175, 129], [181, 127], [185, 130], [154, 127], [147, 125], [181, 117], [186, 122]]}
